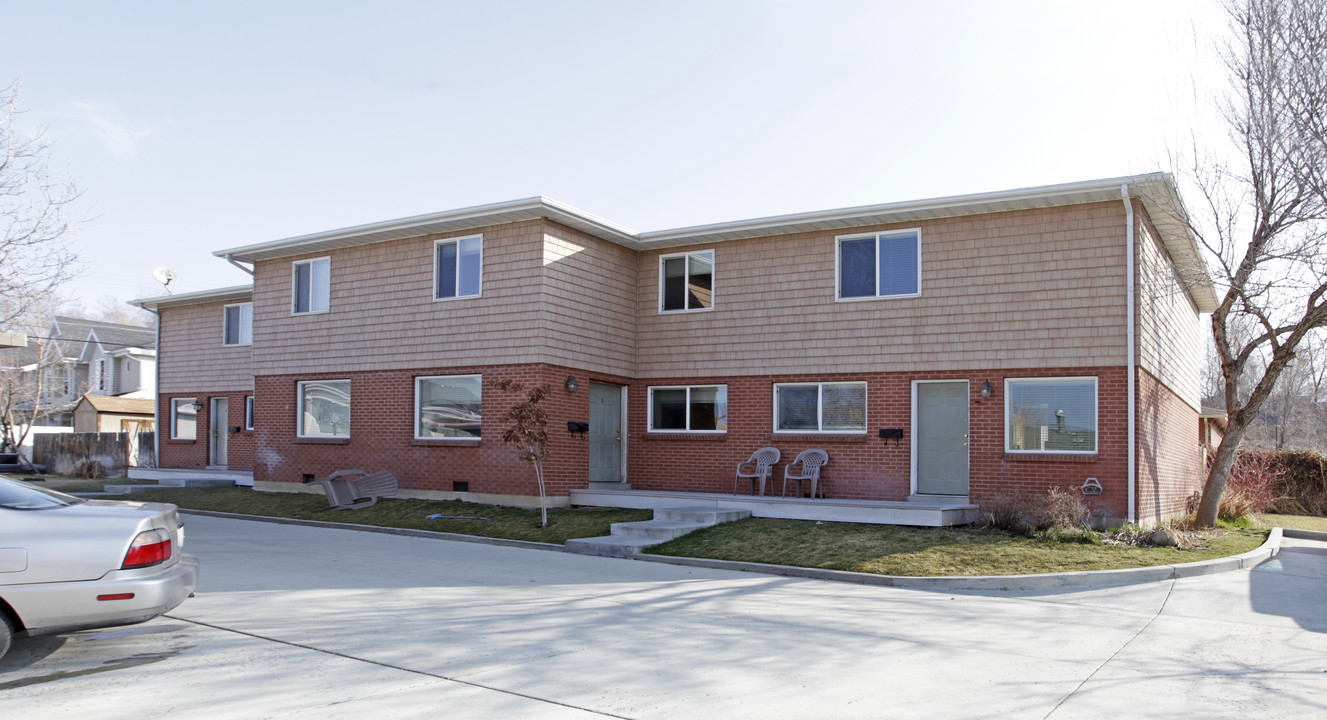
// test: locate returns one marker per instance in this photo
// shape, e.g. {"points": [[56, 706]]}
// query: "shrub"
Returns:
{"points": [[1252, 485], [1302, 490], [89, 469], [1056, 509]]}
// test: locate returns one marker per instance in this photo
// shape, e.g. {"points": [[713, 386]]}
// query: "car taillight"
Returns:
{"points": [[149, 548]]}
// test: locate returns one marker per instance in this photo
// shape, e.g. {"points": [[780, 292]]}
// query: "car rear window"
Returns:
{"points": [[15, 495]]}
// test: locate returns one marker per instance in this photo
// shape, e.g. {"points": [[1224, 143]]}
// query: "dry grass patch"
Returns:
{"points": [[1298, 522], [501, 522], [926, 552]]}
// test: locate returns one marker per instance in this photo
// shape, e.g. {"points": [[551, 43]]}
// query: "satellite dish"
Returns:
{"points": [[165, 276]]}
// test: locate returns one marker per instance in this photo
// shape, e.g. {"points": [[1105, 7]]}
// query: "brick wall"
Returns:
{"points": [[382, 433], [867, 467], [195, 453], [1170, 463]]}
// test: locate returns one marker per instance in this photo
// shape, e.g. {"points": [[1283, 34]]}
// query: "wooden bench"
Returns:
{"points": [[342, 488]]}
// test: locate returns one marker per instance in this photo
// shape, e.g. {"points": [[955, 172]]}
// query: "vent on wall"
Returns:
{"points": [[460, 486]]}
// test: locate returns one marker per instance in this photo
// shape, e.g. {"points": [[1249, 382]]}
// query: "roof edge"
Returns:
{"points": [[234, 292]]}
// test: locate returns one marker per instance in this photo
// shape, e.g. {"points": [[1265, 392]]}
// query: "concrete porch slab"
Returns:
{"points": [[878, 512], [175, 477]]}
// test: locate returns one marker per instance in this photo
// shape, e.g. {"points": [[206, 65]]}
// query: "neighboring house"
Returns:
{"points": [[107, 414], [98, 358], [954, 348]]}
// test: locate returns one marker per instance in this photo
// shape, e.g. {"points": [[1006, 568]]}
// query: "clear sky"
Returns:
{"points": [[195, 127]]}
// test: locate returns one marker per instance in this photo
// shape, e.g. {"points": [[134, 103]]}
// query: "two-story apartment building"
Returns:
{"points": [[959, 347]]}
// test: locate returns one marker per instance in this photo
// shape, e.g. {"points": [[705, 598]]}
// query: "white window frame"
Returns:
{"points": [[248, 412], [714, 285], [1096, 416], [419, 418], [437, 245], [649, 417], [838, 264], [246, 329], [294, 285], [820, 408], [299, 410], [174, 418]]}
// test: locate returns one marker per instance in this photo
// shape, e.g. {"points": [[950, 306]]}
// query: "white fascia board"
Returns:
{"points": [[235, 292]]}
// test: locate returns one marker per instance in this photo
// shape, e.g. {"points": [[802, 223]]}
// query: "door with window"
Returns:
{"points": [[219, 453], [606, 433], [940, 437]]}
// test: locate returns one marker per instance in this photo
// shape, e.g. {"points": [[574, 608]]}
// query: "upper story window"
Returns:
{"points": [[820, 407], [448, 407], [238, 325], [311, 285], [458, 267], [878, 265], [697, 408], [686, 281], [1051, 415], [324, 408]]}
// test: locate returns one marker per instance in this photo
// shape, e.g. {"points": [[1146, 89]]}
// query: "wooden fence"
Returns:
{"points": [[116, 451]]}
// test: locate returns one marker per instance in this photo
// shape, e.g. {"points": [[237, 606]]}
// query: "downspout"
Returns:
{"points": [[236, 264], [1129, 314], [156, 393]]}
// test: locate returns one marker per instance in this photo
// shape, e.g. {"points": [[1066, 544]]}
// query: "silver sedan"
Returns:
{"points": [[67, 563]]}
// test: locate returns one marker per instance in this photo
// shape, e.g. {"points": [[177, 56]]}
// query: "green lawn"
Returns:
{"points": [[1298, 522], [925, 552], [500, 522], [880, 549]]}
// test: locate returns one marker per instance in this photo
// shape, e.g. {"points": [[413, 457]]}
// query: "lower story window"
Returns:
{"points": [[820, 407], [183, 419], [697, 408], [448, 406], [1051, 415], [248, 412], [324, 408]]}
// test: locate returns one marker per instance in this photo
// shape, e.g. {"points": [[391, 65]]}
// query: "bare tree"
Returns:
{"points": [[1265, 229], [527, 427], [31, 381], [34, 258]]}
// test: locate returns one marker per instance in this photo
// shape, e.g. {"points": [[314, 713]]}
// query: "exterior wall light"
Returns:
{"points": [[198, 405], [986, 389], [572, 385]]}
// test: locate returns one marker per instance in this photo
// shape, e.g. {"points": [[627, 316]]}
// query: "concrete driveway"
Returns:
{"points": [[304, 622]]}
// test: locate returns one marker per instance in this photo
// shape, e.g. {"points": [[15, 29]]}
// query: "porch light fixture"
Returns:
{"points": [[572, 385], [198, 405], [986, 389]]}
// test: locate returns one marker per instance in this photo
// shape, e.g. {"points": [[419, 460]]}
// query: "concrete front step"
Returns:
{"points": [[173, 477], [628, 538]]}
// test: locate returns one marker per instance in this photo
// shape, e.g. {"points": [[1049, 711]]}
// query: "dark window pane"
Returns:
{"points": [[898, 265], [709, 408], [798, 407], [675, 284], [670, 409], [447, 270], [1053, 416], [302, 283], [700, 285], [857, 268], [233, 325]]}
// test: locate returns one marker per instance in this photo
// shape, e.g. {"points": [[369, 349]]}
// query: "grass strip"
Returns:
{"points": [[501, 522], [934, 552]]}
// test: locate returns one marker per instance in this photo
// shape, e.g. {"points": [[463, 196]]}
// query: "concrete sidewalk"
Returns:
{"points": [[314, 622]]}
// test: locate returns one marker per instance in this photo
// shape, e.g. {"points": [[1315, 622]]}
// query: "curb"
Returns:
{"points": [[1044, 581]]}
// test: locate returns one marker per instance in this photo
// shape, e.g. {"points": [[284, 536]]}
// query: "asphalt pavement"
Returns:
{"points": [[307, 622]]}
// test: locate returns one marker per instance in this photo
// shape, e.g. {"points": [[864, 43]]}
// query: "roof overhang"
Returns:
{"points": [[1156, 191], [236, 293]]}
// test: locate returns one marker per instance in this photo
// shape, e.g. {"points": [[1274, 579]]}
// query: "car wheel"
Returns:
{"points": [[6, 633]]}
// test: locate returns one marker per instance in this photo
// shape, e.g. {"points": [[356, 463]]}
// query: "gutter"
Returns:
{"points": [[1130, 364]]}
